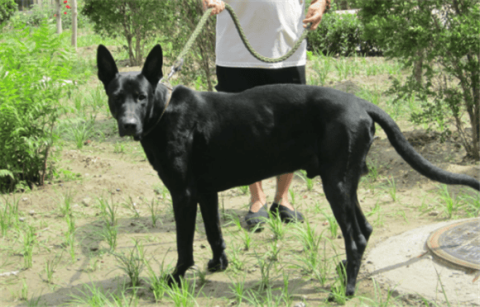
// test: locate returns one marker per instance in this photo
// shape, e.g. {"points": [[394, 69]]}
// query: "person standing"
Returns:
{"points": [[272, 28]]}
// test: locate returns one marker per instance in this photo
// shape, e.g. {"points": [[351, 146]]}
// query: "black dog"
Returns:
{"points": [[201, 143]]}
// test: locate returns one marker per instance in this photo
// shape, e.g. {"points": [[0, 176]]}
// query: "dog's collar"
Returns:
{"points": [[169, 96]]}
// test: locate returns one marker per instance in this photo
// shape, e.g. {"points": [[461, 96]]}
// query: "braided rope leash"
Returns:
{"points": [[177, 65]]}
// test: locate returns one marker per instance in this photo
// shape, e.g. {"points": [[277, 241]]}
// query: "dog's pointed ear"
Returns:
{"points": [[152, 70], [107, 69]]}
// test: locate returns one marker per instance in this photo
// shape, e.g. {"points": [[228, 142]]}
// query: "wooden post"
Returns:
{"points": [[74, 23], [59, 16]]}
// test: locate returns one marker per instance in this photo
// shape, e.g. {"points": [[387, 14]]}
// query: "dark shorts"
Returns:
{"points": [[237, 79]]}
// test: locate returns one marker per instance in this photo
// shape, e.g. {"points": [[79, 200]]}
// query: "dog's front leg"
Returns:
{"points": [[211, 218], [185, 210]]}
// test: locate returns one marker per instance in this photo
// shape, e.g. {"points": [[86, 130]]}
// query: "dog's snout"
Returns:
{"points": [[130, 125]]}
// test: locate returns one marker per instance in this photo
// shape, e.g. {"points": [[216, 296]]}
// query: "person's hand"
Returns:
{"points": [[315, 13], [217, 5]]}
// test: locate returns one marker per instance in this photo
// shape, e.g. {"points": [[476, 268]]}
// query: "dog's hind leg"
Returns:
{"points": [[341, 193], [185, 210], [211, 218]]}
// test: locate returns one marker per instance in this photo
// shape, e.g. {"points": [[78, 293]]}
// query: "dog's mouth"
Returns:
{"points": [[129, 130]]}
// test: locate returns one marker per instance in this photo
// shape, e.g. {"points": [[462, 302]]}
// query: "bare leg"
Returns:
{"points": [[258, 198], [281, 196]]}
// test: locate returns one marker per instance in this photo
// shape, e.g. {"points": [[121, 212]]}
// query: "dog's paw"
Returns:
{"points": [[173, 279], [218, 265]]}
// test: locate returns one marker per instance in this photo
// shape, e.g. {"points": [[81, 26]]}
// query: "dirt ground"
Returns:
{"points": [[116, 171]]}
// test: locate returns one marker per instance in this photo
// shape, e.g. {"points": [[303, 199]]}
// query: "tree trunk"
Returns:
{"points": [[343, 5], [74, 23], [417, 68], [59, 17]]}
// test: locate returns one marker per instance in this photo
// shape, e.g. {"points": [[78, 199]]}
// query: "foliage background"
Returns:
{"points": [[7, 9], [36, 72], [440, 40]]}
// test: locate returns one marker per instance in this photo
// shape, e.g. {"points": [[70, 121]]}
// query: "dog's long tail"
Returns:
{"points": [[408, 153]]}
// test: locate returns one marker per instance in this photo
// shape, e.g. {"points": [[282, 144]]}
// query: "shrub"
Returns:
{"points": [[37, 14], [341, 34], [33, 70], [7, 9], [439, 38], [135, 20]]}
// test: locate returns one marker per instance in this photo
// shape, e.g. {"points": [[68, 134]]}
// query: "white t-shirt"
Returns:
{"points": [[272, 28]]}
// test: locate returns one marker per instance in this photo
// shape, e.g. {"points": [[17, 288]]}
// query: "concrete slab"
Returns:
{"points": [[403, 263]]}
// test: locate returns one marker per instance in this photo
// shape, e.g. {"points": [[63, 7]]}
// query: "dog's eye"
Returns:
{"points": [[141, 97]]}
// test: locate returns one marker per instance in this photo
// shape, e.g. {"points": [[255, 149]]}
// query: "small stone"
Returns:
{"points": [[202, 246], [300, 304], [339, 236], [86, 201], [118, 190], [433, 213], [25, 199], [251, 270], [32, 212], [21, 219]]}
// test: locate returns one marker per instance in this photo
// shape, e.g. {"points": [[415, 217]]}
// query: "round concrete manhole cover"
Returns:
{"points": [[458, 243]]}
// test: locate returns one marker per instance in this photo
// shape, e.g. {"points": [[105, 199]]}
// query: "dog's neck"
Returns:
{"points": [[164, 93]]}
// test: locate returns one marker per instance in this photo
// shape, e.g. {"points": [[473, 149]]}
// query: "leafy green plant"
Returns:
{"points": [[449, 203], [70, 236], [50, 267], [119, 147], [129, 16], [8, 216], [439, 40], [243, 189], [109, 233], [337, 289], [28, 240], [472, 204], [33, 74], [332, 224], [153, 206], [132, 263], [108, 211], [234, 261], [158, 283], [341, 34], [183, 295], [321, 65], [66, 201], [392, 189], [94, 296], [237, 288], [132, 206], [275, 224], [7, 9], [265, 265], [303, 175], [24, 291]]}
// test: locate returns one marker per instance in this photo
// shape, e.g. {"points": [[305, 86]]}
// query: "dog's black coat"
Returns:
{"points": [[208, 142]]}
